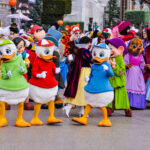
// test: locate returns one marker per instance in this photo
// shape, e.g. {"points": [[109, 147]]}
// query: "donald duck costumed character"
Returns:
{"points": [[43, 85], [98, 91]]}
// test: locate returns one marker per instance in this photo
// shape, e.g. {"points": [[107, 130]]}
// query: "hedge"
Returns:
{"points": [[70, 23], [137, 16], [54, 10]]}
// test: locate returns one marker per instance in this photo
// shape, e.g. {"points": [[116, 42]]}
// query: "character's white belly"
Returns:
{"points": [[42, 95], [14, 97], [100, 99]]}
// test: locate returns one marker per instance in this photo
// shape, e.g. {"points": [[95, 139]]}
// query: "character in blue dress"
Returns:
{"points": [[98, 91]]}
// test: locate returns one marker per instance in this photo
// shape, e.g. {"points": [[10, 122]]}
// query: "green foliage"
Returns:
{"points": [[137, 16], [35, 13], [70, 23], [68, 6], [54, 10], [113, 13]]}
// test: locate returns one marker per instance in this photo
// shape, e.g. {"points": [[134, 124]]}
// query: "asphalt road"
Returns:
{"points": [[125, 134]]}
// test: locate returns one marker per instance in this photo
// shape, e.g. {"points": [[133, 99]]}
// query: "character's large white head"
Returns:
{"points": [[7, 50], [100, 53], [45, 49]]}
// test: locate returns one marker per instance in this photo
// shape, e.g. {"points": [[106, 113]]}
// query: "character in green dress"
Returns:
{"points": [[118, 81]]}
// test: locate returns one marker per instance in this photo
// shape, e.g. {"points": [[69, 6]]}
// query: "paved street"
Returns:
{"points": [[126, 133]]}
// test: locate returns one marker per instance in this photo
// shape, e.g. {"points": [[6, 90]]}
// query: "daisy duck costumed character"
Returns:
{"points": [[118, 81], [43, 85], [98, 91], [13, 86]]}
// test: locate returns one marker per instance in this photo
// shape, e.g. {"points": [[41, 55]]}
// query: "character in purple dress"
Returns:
{"points": [[135, 66]]}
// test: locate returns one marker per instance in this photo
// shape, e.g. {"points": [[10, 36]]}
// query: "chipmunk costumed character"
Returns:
{"points": [[13, 86], [98, 91], [135, 67], [43, 85]]}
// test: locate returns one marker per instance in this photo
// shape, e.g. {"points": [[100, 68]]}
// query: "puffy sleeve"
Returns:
{"points": [[142, 64], [120, 68], [22, 64], [87, 56]]}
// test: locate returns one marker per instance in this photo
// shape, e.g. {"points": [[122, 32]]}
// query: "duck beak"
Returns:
{"points": [[48, 58], [98, 60], [7, 58]]}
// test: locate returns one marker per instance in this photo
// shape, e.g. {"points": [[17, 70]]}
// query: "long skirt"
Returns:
{"points": [[79, 100]]}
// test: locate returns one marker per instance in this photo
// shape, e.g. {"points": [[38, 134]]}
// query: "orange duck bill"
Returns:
{"points": [[98, 60], [48, 58], [7, 58]]}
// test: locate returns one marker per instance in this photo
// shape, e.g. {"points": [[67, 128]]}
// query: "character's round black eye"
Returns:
{"points": [[140, 46], [133, 46], [46, 52], [1, 53], [8, 51], [94, 53], [101, 54]]}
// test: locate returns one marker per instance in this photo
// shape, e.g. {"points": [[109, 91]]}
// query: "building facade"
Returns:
{"points": [[4, 11], [83, 10]]}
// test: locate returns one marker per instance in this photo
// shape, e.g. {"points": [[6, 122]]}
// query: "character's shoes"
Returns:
{"points": [[67, 109], [22, 123], [81, 120], [30, 100], [58, 103], [128, 113], [28, 106], [109, 111], [44, 106], [105, 123], [3, 122], [7, 106], [36, 121], [52, 120]]}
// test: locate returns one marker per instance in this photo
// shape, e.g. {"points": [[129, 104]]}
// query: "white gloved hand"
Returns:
{"points": [[86, 79], [70, 57], [57, 71], [105, 67], [9, 74], [21, 69], [42, 75]]}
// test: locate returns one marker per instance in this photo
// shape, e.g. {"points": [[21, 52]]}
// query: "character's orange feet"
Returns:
{"points": [[81, 120], [36, 121], [3, 122], [105, 123], [22, 123], [52, 120]]}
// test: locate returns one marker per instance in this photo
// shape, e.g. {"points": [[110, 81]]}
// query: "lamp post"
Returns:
{"points": [[12, 4]]}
